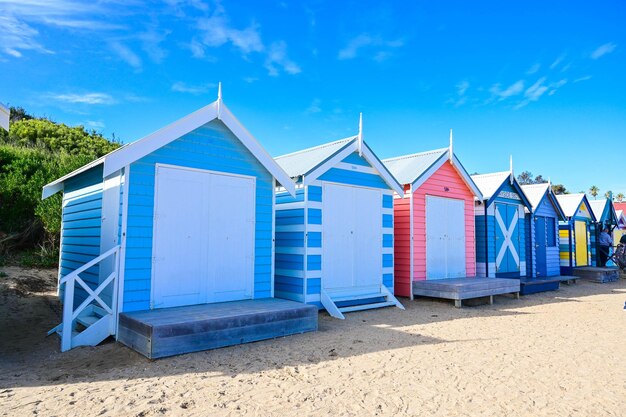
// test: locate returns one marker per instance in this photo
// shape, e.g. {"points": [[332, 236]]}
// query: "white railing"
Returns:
{"points": [[70, 280]]}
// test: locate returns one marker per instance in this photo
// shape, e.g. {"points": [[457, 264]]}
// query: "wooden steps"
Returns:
{"points": [[174, 331], [597, 274], [336, 304], [459, 289]]}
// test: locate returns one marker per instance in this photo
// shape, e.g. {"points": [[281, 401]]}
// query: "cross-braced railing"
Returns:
{"points": [[70, 314]]}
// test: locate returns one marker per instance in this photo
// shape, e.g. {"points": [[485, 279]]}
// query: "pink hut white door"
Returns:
{"points": [[445, 238], [203, 244], [351, 240]]}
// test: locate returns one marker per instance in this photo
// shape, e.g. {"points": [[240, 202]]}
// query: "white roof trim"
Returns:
{"points": [[132, 152], [458, 167], [58, 185], [369, 157]]}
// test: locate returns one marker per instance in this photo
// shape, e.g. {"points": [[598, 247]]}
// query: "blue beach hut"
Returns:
{"points": [[334, 239], [500, 234], [606, 216], [542, 242], [167, 242]]}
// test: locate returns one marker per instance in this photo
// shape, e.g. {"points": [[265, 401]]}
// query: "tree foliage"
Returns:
{"points": [[33, 153], [593, 190], [526, 178], [620, 197], [559, 189]]}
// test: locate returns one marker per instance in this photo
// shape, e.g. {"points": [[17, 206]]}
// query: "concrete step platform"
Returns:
{"points": [[459, 289], [597, 274], [174, 331]]}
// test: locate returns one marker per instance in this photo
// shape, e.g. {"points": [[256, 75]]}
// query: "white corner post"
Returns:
{"points": [[360, 141]]}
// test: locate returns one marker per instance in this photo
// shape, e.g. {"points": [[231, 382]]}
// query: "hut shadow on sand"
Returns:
{"points": [[28, 358]]}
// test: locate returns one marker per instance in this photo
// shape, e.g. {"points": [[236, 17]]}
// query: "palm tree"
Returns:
{"points": [[593, 190], [619, 197], [609, 195]]}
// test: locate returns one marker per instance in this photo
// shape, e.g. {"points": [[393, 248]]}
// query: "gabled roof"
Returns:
{"points": [[131, 152], [603, 210], [537, 192], [311, 163], [416, 168], [490, 185], [303, 162], [571, 202]]}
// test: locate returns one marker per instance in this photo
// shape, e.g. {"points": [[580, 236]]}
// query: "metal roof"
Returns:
{"points": [[304, 161], [535, 193], [598, 207], [570, 203], [408, 168], [488, 184]]}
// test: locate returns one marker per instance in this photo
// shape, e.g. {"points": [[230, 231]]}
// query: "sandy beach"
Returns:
{"points": [[553, 354]]}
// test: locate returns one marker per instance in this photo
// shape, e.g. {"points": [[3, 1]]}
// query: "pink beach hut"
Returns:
{"points": [[434, 228]]}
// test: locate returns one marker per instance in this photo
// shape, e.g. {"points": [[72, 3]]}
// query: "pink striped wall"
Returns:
{"points": [[444, 177]]}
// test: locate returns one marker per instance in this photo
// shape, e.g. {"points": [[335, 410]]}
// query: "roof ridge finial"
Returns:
{"points": [[360, 136], [451, 150], [511, 168], [219, 100]]}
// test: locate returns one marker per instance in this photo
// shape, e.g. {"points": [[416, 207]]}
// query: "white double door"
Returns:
{"points": [[445, 238], [351, 240], [203, 241]]}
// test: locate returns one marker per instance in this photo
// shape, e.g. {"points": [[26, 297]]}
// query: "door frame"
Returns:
{"points": [[461, 200], [352, 290], [545, 241], [519, 243], [154, 217]]}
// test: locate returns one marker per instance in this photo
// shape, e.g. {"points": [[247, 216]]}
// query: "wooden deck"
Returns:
{"points": [[459, 289], [173, 331], [597, 274], [535, 285]]}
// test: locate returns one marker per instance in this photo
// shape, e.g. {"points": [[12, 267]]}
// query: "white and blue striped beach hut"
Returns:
{"points": [[334, 240]]}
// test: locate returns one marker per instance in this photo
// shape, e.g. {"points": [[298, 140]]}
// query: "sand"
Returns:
{"points": [[553, 354]]}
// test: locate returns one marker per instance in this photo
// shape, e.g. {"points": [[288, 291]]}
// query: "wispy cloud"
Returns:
{"points": [[538, 89], [557, 61], [461, 96], [181, 87], [602, 50], [87, 98], [364, 40], [17, 36], [314, 107], [581, 79], [512, 90], [127, 55], [534, 69], [277, 58], [216, 30], [95, 124]]}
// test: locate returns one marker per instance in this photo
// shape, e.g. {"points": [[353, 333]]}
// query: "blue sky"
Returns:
{"points": [[543, 81]]}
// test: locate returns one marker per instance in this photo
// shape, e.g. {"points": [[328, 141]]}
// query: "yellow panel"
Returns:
{"points": [[580, 229]]}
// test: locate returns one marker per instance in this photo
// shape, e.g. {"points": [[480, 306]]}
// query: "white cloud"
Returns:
{"points": [[602, 50], [17, 36], [557, 61], [87, 98], [127, 55], [532, 70], [250, 80], [151, 42], [364, 40], [314, 107], [584, 78], [512, 90], [181, 87], [95, 124], [277, 57], [461, 88], [217, 31]]}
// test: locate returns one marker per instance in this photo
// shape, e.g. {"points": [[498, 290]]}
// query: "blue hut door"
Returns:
{"points": [[507, 238], [540, 246]]}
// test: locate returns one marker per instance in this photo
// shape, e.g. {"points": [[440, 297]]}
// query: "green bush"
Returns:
{"points": [[34, 153]]}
